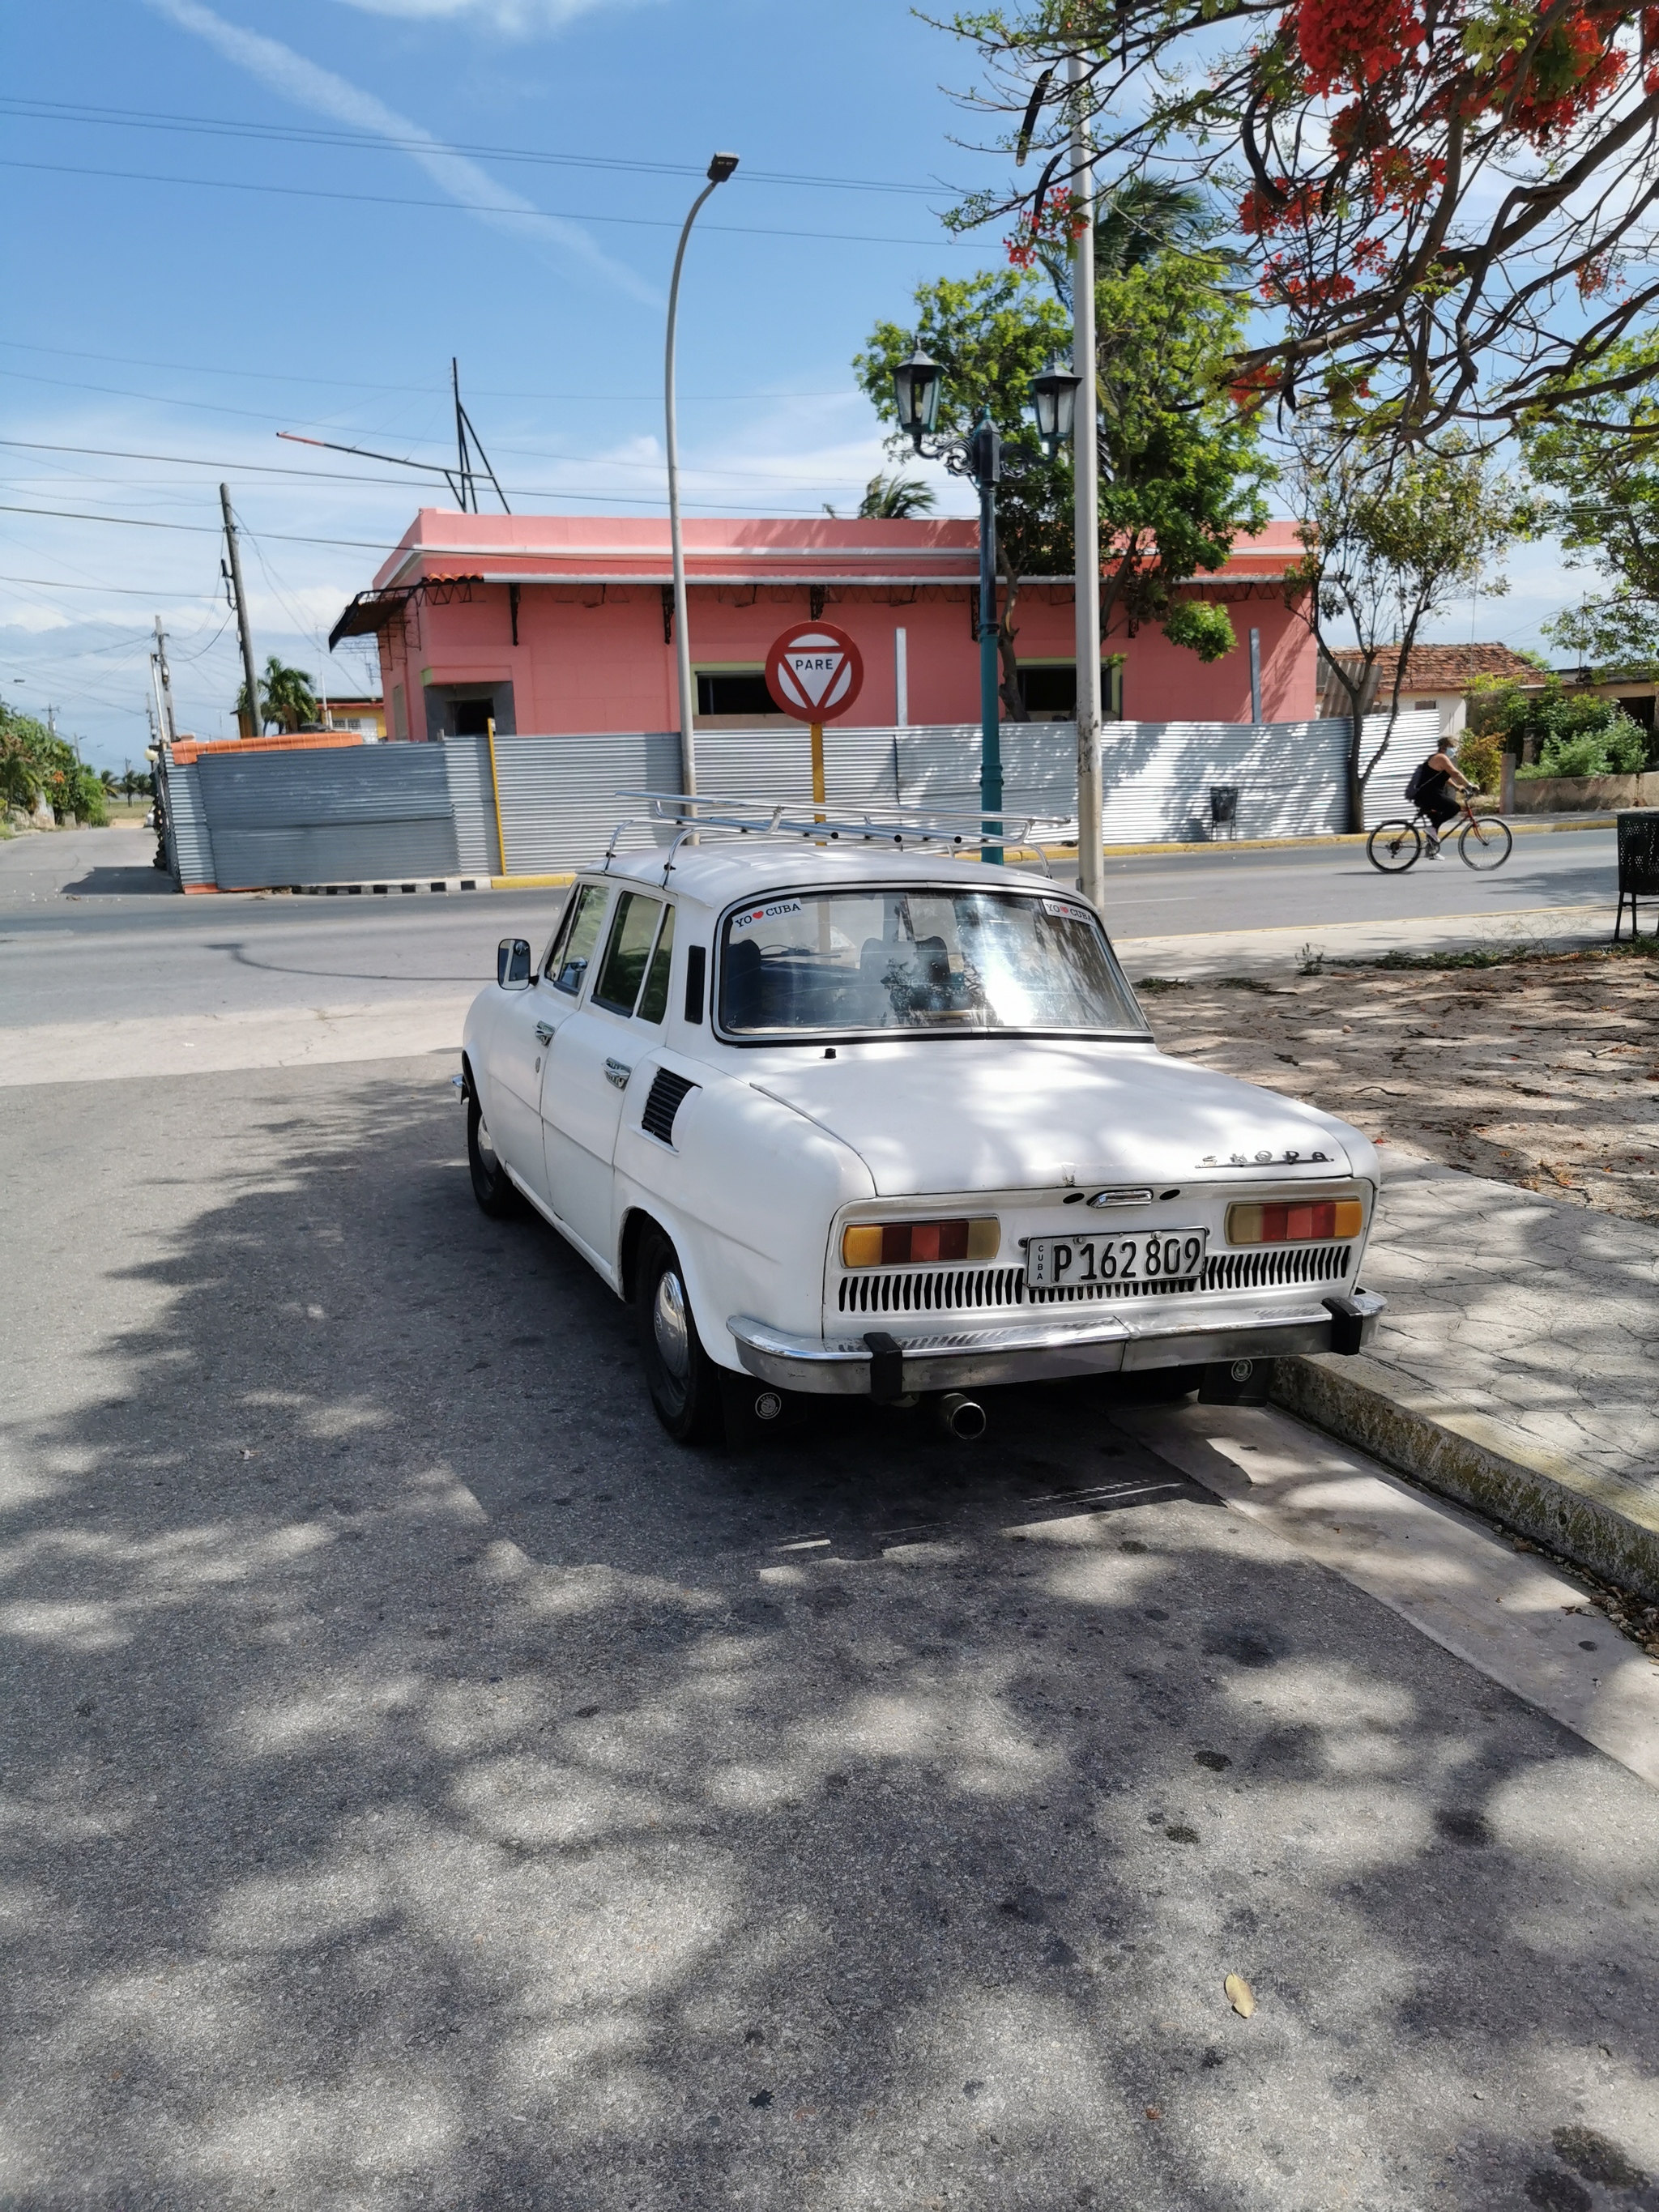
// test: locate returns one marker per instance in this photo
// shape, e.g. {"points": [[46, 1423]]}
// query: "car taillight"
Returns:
{"points": [[917, 1243], [1293, 1222]]}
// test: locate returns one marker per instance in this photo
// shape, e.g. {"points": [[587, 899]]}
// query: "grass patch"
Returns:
{"points": [[1163, 983], [1506, 956]]}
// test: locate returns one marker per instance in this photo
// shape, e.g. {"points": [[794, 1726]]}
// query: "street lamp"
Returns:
{"points": [[719, 168], [917, 385], [1054, 402]]}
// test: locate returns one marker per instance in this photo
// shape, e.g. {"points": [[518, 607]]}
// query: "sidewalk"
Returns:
{"points": [[1515, 1368], [1270, 952]]}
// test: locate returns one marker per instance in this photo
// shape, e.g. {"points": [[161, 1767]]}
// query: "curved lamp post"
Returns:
{"points": [[917, 384], [719, 170]]}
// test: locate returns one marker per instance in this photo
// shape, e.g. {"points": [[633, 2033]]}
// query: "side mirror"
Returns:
{"points": [[512, 964]]}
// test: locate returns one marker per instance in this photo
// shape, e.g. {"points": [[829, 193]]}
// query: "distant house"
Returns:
{"points": [[564, 624], [1440, 677], [1443, 676], [365, 715]]}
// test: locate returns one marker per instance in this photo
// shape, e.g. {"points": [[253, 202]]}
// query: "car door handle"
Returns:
{"points": [[543, 1032], [616, 1073]]}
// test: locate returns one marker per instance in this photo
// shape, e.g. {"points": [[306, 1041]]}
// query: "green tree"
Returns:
{"points": [[285, 697], [991, 333], [1136, 220], [1569, 733], [1594, 455], [1444, 208], [1181, 472], [897, 498], [1387, 543], [34, 763]]}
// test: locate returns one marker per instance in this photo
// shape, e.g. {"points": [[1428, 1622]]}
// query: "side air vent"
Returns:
{"points": [[668, 1093]]}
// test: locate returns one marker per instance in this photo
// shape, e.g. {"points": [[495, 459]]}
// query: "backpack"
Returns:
{"points": [[1420, 777]]}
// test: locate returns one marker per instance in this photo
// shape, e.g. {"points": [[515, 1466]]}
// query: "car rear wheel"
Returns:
{"points": [[491, 1184], [683, 1380]]}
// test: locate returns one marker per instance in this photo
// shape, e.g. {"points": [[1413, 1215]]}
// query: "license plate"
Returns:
{"points": [[1159, 1255]]}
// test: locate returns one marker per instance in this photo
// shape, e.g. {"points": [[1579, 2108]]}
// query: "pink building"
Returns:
{"points": [[563, 623]]}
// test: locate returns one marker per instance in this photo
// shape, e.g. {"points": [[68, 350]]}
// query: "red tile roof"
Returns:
{"points": [[1447, 668]]}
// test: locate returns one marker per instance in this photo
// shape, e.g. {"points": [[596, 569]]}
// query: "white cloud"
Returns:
{"points": [[324, 93], [512, 19]]}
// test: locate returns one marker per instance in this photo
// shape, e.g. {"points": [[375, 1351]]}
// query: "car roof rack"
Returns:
{"points": [[951, 829]]}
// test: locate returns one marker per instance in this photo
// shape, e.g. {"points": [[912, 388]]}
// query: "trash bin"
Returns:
{"points": [[1638, 864], [1224, 809]]}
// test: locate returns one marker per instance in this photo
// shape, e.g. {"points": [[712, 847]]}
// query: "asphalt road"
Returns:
{"points": [[88, 932], [425, 1785]]}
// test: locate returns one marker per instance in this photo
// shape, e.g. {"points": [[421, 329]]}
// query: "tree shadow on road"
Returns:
{"points": [[428, 1786]]}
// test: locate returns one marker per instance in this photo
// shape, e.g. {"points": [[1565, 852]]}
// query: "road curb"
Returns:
{"points": [[1480, 1462], [1192, 847]]}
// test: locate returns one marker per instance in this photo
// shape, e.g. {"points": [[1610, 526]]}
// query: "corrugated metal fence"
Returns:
{"points": [[388, 811]]}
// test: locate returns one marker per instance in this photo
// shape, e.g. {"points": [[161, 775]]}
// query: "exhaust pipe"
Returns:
{"points": [[962, 1417]]}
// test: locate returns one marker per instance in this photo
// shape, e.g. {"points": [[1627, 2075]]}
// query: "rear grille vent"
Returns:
{"points": [[1088, 1294], [933, 1290], [667, 1095], [1281, 1263], [962, 1289]]}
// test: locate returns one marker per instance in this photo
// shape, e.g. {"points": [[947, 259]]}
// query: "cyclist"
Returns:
{"points": [[1427, 791]]}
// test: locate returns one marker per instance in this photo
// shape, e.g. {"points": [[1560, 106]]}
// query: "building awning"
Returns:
{"points": [[370, 611]]}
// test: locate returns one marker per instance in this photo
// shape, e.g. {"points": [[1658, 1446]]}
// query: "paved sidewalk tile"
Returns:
{"points": [[1540, 1315]]}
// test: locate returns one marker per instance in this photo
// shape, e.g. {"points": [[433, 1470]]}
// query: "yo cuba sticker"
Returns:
{"points": [[753, 914]]}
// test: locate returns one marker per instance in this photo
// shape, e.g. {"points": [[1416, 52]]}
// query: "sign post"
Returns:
{"points": [[815, 673]]}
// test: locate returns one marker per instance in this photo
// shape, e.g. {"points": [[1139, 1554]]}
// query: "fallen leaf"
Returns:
{"points": [[1154, 2112], [1239, 1996]]}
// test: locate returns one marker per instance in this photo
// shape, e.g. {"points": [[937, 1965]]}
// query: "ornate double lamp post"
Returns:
{"points": [[982, 457]]}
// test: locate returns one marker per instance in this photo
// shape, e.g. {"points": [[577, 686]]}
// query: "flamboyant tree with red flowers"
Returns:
{"points": [[1448, 208]]}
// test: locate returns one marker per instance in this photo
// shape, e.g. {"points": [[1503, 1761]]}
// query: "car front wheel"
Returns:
{"points": [[491, 1184], [683, 1380]]}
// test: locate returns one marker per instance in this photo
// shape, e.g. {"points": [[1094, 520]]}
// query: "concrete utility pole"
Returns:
{"points": [[164, 680], [1091, 868], [250, 674], [719, 170]]}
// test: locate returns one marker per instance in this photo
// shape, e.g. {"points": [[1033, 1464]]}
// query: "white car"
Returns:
{"points": [[888, 1124]]}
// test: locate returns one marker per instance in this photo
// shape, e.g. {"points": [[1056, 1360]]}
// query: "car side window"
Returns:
{"points": [[628, 952], [568, 963], [653, 999]]}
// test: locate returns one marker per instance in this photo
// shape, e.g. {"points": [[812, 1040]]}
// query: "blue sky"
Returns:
{"points": [[314, 272]]}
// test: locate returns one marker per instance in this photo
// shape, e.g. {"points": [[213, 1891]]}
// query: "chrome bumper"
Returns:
{"points": [[879, 1365]]}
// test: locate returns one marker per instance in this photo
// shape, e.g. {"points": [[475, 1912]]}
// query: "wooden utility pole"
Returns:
{"points": [[255, 720]]}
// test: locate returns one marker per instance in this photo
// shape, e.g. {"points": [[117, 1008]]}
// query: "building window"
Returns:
{"points": [[1048, 691], [1424, 706], [733, 691], [473, 716]]}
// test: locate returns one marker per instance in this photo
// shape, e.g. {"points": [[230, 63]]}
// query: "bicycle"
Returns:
{"points": [[1483, 841]]}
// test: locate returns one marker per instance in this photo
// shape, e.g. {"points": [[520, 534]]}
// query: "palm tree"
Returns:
{"points": [[285, 697], [896, 498], [1135, 220]]}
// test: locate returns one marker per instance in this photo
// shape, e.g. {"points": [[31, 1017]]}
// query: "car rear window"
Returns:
{"points": [[943, 961]]}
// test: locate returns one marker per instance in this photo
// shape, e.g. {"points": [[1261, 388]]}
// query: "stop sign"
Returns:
{"points": [[814, 672]]}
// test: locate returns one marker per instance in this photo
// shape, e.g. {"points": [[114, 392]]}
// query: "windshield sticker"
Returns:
{"points": [[1060, 906], [765, 914]]}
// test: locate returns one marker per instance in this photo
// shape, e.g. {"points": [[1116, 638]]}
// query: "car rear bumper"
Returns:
{"points": [[878, 1365]]}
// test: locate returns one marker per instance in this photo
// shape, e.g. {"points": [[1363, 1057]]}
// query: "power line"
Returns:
{"points": [[313, 134], [351, 384], [127, 591], [343, 476], [474, 207]]}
